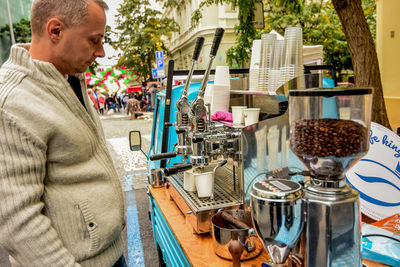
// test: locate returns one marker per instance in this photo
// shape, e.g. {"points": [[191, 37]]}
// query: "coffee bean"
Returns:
{"points": [[328, 137]]}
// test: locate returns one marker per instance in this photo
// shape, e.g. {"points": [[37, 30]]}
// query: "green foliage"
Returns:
{"points": [[140, 32], [369, 7], [245, 32], [321, 25], [21, 29]]}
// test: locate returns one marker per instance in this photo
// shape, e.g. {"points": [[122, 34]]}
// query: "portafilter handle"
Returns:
{"points": [[177, 168], [162, 156]]}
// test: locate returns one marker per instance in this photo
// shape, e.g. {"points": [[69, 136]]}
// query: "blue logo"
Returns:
{"points": [[379, 180]]}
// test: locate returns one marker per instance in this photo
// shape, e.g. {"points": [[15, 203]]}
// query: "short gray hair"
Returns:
{"points": [[71, 12]]}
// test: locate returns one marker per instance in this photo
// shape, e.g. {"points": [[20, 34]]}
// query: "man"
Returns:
{"points": [[155, 89], [61, 203]]}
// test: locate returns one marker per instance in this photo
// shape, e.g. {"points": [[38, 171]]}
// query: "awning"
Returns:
{"points": [[132, 89]]}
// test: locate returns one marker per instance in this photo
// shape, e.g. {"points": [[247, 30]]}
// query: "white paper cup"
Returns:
{"points": [[189, 181], [204, 184], [251, 115], [221, 75], [238, 115]]}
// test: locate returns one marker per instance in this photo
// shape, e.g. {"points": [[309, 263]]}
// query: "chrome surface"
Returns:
{"points": [[332, 228], [222, 198], [156, 177], [278, 215], [276, 190], [223, 234]]}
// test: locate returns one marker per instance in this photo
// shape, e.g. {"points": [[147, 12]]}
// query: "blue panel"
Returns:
{"points": [[327, 82], [172, 252]]}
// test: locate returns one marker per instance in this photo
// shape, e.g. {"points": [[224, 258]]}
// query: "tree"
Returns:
{"points": [[363, 54], [21, 29], [359, 40], [140, 33]]}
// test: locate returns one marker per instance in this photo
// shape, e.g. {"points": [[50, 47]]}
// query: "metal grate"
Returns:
{"points": [[222, 198]]}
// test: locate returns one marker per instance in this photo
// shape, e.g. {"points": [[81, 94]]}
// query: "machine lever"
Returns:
{"points": [[219, 32], [197, 48]]}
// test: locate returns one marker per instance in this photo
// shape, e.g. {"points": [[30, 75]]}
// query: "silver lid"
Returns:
{"points": [[279, 190]]}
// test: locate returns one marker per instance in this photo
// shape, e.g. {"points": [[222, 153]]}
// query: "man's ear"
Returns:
{"points": [[54, 29]]}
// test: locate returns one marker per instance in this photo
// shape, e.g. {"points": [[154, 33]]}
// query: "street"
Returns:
{"points": [[131, 167]]}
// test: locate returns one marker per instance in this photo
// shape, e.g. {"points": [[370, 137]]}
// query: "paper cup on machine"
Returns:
{"points": [[251, 115], [189, 181], [204, 184], [238, 115]]}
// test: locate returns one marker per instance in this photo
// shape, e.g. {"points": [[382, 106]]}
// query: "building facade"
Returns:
{"points": [[388, 49], [182, 44]]}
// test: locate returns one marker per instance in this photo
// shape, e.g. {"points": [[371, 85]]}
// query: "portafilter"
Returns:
{"points": [[277, 211]]}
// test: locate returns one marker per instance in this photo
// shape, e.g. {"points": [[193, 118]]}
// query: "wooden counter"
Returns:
{"points": [[198, 249]]}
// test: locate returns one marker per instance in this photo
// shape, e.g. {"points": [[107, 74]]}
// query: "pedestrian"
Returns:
{"points": [[61, 202], [111, 104], [93, 99], [117, 99], [102, 102], [124, 100], [153, 94]]}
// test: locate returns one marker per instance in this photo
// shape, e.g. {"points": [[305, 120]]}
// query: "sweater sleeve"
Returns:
{"points": [[25, 232]]}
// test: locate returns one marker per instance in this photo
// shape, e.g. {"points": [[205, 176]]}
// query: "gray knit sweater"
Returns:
{"points": [[61, 203]]}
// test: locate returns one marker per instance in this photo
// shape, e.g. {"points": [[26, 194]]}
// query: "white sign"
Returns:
{"points": [[377, 175], [160, 73]]}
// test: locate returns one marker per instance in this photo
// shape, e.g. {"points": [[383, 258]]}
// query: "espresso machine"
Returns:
{"points": [[318, 223], [212, 147]]}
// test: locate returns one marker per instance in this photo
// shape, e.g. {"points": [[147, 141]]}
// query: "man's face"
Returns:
{"points": [[81, 45]]}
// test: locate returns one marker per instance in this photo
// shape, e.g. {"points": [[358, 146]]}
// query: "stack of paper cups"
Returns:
{"points": [[255, 65], [208, 94], [221, 90]]}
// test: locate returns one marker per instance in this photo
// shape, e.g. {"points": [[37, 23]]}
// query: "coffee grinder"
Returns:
{"points": [[329, 130]]}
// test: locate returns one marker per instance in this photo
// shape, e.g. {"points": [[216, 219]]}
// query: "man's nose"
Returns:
{"points": [[100, 51]]}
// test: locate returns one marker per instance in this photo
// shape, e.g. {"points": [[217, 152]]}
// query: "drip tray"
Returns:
{"points": [[222, 198]]}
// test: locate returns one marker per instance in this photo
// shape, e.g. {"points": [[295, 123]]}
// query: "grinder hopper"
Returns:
{"points": [[329, 129]]}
